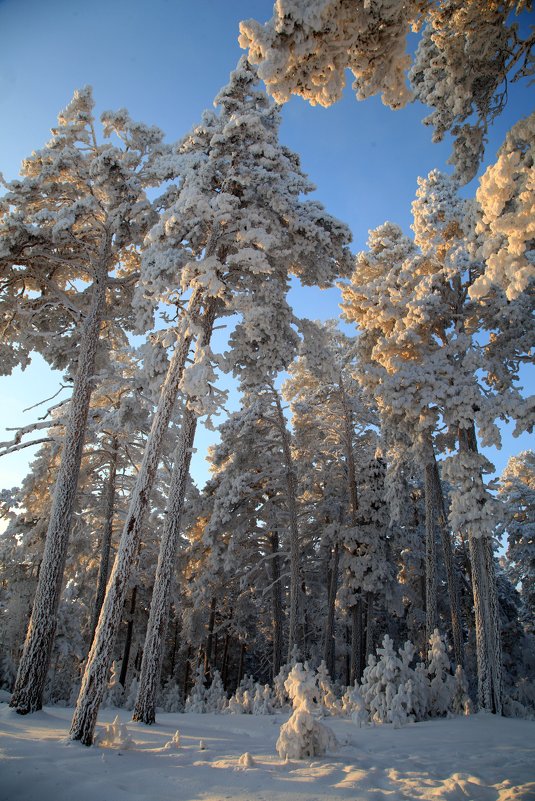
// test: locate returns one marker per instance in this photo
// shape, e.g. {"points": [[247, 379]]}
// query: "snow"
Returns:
{"points": [[474, 758]]}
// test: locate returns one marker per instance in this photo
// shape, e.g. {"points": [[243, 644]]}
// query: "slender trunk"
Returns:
{"points": [[209, 641], [276, 599], [224, 665], [128, 640], [241, 663], [329, 641], [370, 646], [356, 642], [175, 647], [35, 661], [291, 492], [431, 614], [187, 673], [151, 667], [489, 664], [105, 544], [98, 663], [451, 577]]}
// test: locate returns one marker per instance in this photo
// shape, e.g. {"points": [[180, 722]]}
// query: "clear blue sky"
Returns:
{"points": [[165, 60]]}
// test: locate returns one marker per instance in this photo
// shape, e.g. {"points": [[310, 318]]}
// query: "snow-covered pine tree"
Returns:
{"points": [[234, 227], [465, 54], [70, 231]]}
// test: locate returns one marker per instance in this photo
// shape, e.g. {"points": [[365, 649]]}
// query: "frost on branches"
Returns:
{"points": [[302, 735], [466, 53]]}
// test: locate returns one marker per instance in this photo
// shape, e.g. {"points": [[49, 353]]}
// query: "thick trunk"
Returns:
{"points": [[489, 662], [151, 667], [105, 544], [451, 577], [98, 663], [276, 600], [35, 661], [329, 641], [128, 640], [291, 493]]}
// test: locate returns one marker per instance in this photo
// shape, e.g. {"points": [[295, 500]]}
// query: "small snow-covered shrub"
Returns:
{"points": [[174, 743], [327, 701], [241, 703], [215, 697], [302, 735], [114, 735], [263, 700], [354, 706], [196, 699], [442, 683], [171, 696]]}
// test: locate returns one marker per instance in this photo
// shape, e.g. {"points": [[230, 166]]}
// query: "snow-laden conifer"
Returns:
{"points": [[302, 735]]}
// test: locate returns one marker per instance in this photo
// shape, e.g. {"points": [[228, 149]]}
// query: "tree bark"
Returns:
{"points": [[489, 663], [208, 661], [151, 666], [356, 642], [35, 661], [451, 577], [329, 653], [98, 663], [128, 639], [431, 614], [276, 600], [291, 492], [105, 544]]}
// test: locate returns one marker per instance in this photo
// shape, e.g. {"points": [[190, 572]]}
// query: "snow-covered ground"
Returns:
{"points": [[477, 758]]}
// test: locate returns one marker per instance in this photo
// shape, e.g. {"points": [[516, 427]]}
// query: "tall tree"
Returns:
{"points": [[69, 230], [234, 226]]}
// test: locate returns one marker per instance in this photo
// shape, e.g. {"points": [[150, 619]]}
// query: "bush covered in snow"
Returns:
{"points": [[302, 735]]}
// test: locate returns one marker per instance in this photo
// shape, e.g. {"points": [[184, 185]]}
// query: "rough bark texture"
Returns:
{"points": [[329, 641], [209, 659], [489, 661], [431, 613], [356, 642], [35, 661], [451, 577], [151, 666], [99, 660], [276, 600], [105, 543], [291, 493], [128, 639]]}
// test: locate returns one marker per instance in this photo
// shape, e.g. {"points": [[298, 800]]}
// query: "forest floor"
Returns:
{"points": [[476, 758]]}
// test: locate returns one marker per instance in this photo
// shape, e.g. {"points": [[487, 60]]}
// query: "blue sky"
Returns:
{"points": [[165, 61]]}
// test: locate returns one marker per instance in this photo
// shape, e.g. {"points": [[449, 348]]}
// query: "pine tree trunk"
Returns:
{"points": [[370, 618], [105, 545], [276, 600], [99, 660], [35, 661], [431, 614], [128, 640], [291, 493], [356, 642], [151, 667], [451, 577], [329, 640], [489, 662], [209, 641], [224, 665], [241, 663]]}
